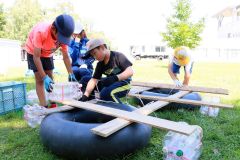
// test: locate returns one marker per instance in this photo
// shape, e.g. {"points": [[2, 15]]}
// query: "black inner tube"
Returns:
{"points": [[69, 134]]}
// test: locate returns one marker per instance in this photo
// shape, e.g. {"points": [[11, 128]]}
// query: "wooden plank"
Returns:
{"points": [[113, 126], [54, 110], [184, 88], [138, 89], [184, 101], [132, 116]]}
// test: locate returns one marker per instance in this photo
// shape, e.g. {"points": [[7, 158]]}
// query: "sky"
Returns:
{"points": [[137, 21]]}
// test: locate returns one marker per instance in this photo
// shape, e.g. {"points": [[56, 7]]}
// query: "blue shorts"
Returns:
{"points": [[47, 63], [176, 68]]}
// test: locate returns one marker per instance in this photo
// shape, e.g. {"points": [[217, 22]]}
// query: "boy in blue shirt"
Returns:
{"points": [[77, 49]]}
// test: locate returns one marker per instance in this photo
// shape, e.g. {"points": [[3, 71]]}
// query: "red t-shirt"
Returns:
{"points": [[40, 37]]}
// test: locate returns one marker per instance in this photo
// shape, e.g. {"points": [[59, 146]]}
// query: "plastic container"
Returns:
{"points": [[177, 146], [32, 115], [66, 91], [12, 96], [210, 111], [32, 97]]}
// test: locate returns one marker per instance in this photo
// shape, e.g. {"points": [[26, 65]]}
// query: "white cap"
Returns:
{"points": [[78, 27]]}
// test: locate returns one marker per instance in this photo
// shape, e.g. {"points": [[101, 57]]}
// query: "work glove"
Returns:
{"points": [[84, 98], [72, 78], [48, 83], [177, 83], [109, 80]]}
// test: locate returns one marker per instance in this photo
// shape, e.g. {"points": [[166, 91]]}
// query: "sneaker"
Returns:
{"points": [[53, 105]]}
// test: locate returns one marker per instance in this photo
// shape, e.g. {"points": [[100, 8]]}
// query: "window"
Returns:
{"points": [[157, 49], [163, 49]]}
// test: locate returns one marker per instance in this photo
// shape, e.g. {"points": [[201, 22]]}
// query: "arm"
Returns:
{"points": [[128, 72], [186, 78], [37, 61], [67, 62], [188, 71], [90, 86]]}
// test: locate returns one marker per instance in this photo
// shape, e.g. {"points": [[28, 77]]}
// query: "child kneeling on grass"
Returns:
{"points": [[181, 57], [116, 67]]}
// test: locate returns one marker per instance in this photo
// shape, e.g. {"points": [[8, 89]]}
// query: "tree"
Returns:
{"points": [[180, 30], [62, 6], [2, 21], [21, 18]]}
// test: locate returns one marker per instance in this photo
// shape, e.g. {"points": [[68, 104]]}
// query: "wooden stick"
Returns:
{"points": [[138, 89], [113, 126], [59, 109], [54, 110], [184, 101], [184, 88], [133, 116]]}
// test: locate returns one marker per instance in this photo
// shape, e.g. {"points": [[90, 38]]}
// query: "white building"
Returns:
{"points": [[221, 43], [10, 54]]}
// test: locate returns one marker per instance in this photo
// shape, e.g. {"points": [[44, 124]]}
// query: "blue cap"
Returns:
{"points": [[65, 27]]}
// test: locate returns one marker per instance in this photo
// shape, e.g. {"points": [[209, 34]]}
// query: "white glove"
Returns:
{"points": [[177, 83], [83, 66]]}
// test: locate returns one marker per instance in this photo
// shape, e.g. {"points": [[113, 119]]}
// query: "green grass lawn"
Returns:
{"points": [[221, 138]]}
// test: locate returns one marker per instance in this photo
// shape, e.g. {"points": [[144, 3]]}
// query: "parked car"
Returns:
{"points": [[144, 51]]}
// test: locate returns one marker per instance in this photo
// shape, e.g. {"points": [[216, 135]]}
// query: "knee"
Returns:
{"points": [[39, 81], [105, 94], [85, 79], [85, 72]]}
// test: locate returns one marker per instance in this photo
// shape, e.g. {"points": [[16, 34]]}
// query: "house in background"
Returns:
{"points": [[221, 43], [10, 54]]}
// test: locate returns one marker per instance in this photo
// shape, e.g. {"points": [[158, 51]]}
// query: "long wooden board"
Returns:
{"points": [[133, 116], [184, 88], [184, 101], [59, 109], [113, 126], [54, 110], [138, 89]]}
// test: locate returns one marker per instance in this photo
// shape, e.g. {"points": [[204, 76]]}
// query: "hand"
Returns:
{"points": [[83, 66], [84, 98], [48, 83], [109, 80], [178, 83], [72, 78]]}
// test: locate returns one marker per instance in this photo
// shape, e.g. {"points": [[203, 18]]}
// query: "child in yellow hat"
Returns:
{"points": [[181, 57]]}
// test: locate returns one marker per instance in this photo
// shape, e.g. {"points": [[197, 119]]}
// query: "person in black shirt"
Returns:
{"points": [[116, 67]]}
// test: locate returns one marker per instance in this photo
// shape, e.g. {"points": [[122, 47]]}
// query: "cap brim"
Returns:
{"points": [[63, 39], [87, 55]]}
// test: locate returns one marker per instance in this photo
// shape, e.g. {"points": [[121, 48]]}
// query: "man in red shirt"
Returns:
{"points": [[43, 40]]}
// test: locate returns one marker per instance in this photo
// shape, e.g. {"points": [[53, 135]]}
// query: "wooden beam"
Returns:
{"points": [[184, 88], [184, 101], [113, 126], [132, 116], [138, 89], [54, 110]]}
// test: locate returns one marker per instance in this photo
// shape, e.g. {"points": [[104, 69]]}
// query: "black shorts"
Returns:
{"points": [[47, 63]]}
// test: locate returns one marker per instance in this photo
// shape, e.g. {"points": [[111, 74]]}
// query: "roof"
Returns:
{"points": [[227, 12]]}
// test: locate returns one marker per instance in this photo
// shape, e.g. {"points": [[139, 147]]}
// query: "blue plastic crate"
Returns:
{"points": [[12, 96]]}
